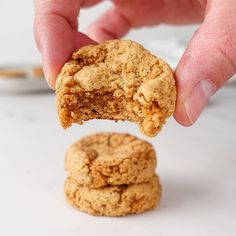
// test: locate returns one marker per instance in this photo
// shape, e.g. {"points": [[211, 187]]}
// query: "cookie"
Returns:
{"points": [[116, 80], [37, 72], [110, 159], [12, 73], [114, 200]]}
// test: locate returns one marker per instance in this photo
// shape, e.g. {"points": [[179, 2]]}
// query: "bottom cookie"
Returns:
{"points": [[114, 200]]}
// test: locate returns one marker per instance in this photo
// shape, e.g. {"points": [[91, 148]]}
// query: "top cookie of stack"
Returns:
{"points": [[110, 159]]}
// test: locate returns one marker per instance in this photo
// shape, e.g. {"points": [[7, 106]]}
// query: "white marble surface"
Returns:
{"points": [[197, 167]]}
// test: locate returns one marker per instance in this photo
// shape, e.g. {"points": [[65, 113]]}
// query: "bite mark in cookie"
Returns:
{"points": [[116, 80]]}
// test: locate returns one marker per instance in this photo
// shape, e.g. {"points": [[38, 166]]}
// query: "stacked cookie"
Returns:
{"points": [[112, 174]]}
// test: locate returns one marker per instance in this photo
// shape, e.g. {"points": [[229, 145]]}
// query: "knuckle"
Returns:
{"points": [[227, 48], [223, 41]]}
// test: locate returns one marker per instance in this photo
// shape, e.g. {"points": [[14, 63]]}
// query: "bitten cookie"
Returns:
{"points": [[110, 159], [114, 200], [116, 80]]}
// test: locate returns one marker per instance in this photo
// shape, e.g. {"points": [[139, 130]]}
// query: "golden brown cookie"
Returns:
{"points": [[110, 159], [116, 80], [114, 200]]}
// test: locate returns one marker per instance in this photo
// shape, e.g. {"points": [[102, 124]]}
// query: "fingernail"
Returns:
{"points": [[47, 76], [47, 79], [198, 99]]}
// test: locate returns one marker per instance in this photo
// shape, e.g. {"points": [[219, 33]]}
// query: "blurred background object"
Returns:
{"points": [[22, 79], [20, 62]]}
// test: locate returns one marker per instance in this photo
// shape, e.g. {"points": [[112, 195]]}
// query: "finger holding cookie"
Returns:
{"points": [[56, 33], [209, 60]]}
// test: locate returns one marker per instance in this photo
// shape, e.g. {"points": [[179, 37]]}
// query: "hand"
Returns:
{"points": [[55, 29], [209, 60]]}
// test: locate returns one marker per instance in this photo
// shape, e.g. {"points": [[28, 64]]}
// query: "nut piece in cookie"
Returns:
{"points": [[116, 80], [114, 200], [105, 159]]}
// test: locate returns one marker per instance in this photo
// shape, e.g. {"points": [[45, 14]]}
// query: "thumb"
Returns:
{"points": [[209, 61]]}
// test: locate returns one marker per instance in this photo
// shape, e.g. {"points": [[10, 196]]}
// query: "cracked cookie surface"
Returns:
{"points": [[110, 159], [114, 200], [116, 80]]}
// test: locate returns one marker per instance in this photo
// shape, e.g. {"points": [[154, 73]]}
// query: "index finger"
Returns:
{"points": [[56, 35]]}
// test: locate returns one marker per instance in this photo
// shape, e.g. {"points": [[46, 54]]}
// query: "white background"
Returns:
{"points": [[16, 34], [197, 165]]}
